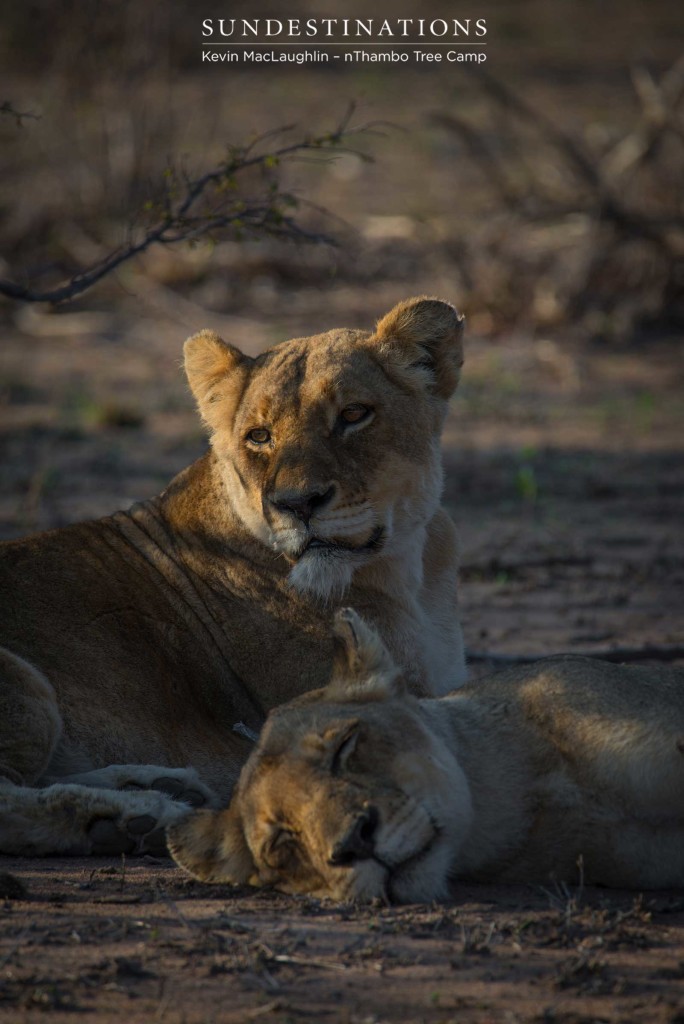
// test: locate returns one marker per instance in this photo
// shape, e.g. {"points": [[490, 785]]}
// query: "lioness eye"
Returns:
{"points": [[344, 752], [354, 413], [259, 435]]}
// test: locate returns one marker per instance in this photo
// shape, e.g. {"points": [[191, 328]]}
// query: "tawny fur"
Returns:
{"points": [[143, 638], [570, 769]]}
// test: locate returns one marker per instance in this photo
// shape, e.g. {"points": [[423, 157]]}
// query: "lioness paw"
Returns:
{"points": [[197, 796], [182, 784], [138, 835], [131, 833]]}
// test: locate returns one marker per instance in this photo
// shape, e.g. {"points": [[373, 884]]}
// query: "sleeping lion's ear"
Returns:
{"points": [[423, 339], [216, 373], [211, 846], [362, 667]]}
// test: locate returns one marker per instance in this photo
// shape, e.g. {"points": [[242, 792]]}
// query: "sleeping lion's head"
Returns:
{"points": [[329, 445], [347, 794]]}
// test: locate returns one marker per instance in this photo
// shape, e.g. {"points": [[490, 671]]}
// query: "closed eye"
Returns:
{"points": [[344, 752]]}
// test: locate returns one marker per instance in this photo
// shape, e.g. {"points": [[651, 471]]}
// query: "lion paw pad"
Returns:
{"points": [[176, 789]]}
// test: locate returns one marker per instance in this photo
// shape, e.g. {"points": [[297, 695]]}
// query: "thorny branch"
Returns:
{"points": [[208, 206]]}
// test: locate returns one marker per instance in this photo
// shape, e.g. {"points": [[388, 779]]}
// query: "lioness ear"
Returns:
{"points": [[211, 846], [423, 340], [362, 666], [216, 373]]}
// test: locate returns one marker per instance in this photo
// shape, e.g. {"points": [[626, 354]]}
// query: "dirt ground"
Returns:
{"points": [[141, 943]]}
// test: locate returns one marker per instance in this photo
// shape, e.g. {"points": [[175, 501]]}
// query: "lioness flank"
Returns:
{"points": [[570, 769], [133, 645]]}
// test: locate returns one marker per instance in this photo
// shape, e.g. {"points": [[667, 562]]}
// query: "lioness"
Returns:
{"points": [[570, 768], [139, 641]]}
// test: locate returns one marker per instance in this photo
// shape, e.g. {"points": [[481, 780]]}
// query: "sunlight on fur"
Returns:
{"points": [[361, 790]]}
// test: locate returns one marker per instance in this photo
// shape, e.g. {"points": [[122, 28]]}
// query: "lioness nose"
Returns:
{"points": [[359, 842], [300, 505]]}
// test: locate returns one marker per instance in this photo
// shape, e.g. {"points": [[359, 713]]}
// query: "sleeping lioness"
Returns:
{"points": [[134, 645], [570, 769]]}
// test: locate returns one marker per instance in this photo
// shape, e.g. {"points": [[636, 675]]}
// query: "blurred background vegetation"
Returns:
{"points": [[547, 193]]}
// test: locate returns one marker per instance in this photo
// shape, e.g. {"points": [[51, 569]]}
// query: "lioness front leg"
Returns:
{"points": [[77, 819], [104, 811]]}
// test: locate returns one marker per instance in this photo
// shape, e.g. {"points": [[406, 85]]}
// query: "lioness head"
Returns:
{"points": [[347, 794], [329, 446]]}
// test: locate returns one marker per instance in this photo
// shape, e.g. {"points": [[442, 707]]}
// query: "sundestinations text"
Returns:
{"points": [[343, 28]]}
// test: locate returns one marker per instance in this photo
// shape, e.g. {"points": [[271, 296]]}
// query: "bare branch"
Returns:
{"points": [[481, 153], [18, 115], [659, 103], [575, 154], [609, 206]]}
